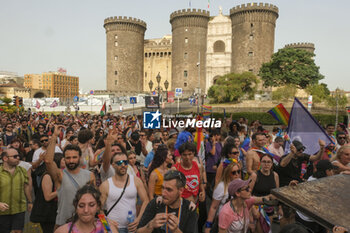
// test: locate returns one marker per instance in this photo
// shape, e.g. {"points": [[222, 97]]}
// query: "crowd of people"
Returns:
{"points": [[92, 173]]}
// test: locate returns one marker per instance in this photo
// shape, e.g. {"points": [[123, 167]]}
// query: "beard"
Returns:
{"points": [[72, 166], [170, 202]]}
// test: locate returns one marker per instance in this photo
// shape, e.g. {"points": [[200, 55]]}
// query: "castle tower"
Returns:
{"points": [[253, 36], [310, 47], [189, 32], [125, 44]]}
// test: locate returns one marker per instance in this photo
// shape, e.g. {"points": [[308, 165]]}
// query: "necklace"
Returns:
{"points": [[178, 214]]}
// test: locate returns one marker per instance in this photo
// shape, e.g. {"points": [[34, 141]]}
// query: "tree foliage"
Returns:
{"points": [[232, 87], [6, 100], [342, 99], [284, 93], [319, 92], [290, 66]]}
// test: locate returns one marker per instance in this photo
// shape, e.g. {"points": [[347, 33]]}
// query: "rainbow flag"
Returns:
{"points": [[207, 110], [105, 223], [98, 157], [280, 114]]}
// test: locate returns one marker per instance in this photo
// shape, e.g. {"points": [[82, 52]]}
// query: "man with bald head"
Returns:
{"points": [[14, 192]]}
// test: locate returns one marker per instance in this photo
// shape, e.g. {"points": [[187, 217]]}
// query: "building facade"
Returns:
{"points": [[218, 48], [200, 49], [157, 60], [60, 85]]}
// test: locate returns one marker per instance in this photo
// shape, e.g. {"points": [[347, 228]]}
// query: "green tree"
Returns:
{"points": [[284, 93], [319, 92], [6, 100], [342, 99], [232, 87], [290, 66]]}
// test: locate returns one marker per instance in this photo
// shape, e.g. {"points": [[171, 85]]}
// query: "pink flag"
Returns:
{"points": [[54, 104], [37, 105]]}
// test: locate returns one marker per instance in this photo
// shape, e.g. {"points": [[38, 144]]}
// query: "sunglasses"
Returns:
{"points": [[44, 140], [236, 172], [14, 156], [234, 153], [342, 137], [120, 162], [246, 189]]}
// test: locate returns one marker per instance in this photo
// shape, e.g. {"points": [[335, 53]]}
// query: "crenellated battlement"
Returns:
{"points": [[189, 12], [124, 20], [300, 45], [254, 7]]}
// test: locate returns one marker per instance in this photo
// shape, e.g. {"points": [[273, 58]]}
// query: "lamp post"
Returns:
{"points": [[150, 84], [158, 81], [166, 85]]}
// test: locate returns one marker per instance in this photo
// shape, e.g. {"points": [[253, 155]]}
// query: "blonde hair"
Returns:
{"points": [[226, 175], [340, 152]]}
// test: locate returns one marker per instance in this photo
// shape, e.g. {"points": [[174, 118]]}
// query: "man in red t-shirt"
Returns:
{"points": [[189, 167]]}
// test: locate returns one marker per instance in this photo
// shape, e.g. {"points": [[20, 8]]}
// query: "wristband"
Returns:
{"points": [[208, 224]]}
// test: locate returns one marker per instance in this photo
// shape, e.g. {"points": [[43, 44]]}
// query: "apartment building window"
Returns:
{"points": [[250, 54], [115, 43], [115, 72], [185, 74], [116, 82], [185, 84], [115, 36], [115, 58], [185, 55], [186, 40]]}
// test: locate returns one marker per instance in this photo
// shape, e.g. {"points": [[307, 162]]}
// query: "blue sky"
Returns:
{"points": [[41, 35]]}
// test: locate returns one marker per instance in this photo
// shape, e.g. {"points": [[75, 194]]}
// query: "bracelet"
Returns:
{"points": [[208, 224]]}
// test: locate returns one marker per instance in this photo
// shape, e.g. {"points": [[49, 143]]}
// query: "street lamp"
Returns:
{"points": [[158, 81], [166, 85], [150, 84]]}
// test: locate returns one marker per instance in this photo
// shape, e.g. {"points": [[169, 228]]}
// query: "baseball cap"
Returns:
{"points": [[324, 165], [236, 184], [298, 145]]}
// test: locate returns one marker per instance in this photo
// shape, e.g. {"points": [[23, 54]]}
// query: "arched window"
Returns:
{"points": [[219, 46]]}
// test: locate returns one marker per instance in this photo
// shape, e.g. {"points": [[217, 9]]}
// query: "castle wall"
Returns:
{"points": [[125, 51], [253, 36], [310, 47], [189, 38]]}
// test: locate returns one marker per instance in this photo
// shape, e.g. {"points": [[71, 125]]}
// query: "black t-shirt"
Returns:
{"points": [[293, 169], [138, 146], [187, 219]]}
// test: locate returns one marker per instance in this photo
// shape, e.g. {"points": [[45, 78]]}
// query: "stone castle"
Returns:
{"points": [[200, 49]]}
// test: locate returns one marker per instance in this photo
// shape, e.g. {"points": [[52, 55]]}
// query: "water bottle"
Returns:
{"points": [[130, 218]]}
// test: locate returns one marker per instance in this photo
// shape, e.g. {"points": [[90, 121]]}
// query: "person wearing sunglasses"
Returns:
{"points": [[119, 194], [231, 172], [342, 139], [290, 166], [15, 192], [44, 141], [229, 151], [234, 215]]}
